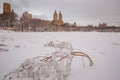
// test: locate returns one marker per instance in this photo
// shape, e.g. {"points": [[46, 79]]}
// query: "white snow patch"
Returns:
{"points": [[103, 48]]}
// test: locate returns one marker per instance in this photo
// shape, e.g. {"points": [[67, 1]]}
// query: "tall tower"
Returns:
{"points": [[60, 18], [55, 16], [6, 8]]}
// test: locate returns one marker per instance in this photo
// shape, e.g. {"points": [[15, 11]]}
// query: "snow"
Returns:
{"points": [[103, 48]]}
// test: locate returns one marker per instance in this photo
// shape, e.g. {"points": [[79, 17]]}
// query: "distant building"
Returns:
{"points": [[74, 24], [57, 19], [27, 16], [103, 25], [6, 8]]}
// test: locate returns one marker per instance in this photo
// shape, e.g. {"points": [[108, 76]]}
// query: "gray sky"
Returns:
{"points": [[83, 12]]}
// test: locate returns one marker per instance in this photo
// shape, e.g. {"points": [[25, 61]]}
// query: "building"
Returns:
{"points": [[57, 19], [6, 8], [27, 16], [103, 25]]}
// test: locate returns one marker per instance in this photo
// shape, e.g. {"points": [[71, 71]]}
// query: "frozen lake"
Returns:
{"points": [[103, 48]]}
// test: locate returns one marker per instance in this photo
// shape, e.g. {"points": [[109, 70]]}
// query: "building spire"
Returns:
{"points": [[60, 16], [12, 11], [55, 15]]}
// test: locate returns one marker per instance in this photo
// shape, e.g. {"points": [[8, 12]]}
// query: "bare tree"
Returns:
{"points": [[8, 19]]}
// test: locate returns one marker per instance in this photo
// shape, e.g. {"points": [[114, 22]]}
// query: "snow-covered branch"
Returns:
{"points": [[56, 66]]}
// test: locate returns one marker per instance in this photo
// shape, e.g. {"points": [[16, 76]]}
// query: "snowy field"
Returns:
{"points": [[103, 48]]}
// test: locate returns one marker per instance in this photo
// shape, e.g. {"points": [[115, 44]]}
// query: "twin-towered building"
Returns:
{"points": [[57, 19]]}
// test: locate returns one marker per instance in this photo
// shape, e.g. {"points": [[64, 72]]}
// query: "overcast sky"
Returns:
{"points": [[83, 12]]}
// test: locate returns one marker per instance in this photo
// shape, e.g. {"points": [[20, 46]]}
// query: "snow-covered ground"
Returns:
{"points": [[103, 48]]}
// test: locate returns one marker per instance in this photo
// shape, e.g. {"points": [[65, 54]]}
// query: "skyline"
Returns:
{"points": [[82, 12]]}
